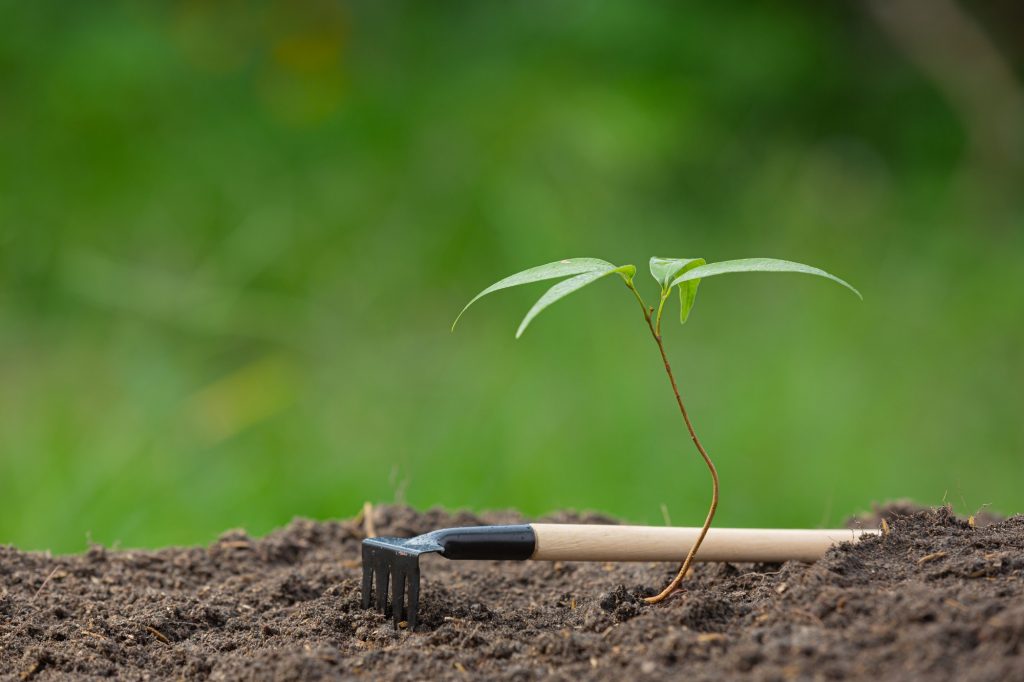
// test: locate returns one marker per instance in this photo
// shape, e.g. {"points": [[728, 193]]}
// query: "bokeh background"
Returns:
{"points": [[233, 236]]}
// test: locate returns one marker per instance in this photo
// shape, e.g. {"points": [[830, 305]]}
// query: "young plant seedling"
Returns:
{"points": [[683, 274]]}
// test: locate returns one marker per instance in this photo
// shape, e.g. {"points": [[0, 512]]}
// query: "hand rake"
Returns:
{"points": [[396, 561]]}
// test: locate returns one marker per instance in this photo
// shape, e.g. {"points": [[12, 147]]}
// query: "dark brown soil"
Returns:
{"points": [[934, 599]]}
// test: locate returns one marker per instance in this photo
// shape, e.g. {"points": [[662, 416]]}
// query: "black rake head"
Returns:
{"points": [[395, 562]]}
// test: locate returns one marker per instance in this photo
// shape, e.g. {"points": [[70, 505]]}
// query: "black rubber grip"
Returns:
{"points": [[515, 543]]}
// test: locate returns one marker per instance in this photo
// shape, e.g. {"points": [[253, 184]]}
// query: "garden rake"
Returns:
{"points": [[395, 562]]}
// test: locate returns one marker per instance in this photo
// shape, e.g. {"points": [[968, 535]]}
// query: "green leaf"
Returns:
{"points": [[687, 297], [563, 289], [562, 268], [757, 265], [664, 270]]}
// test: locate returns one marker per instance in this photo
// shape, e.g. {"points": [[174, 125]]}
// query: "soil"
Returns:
{"points": [[935, 598]]}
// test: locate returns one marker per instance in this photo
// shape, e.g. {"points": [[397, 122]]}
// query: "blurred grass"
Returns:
{"points": [[233, 236]]}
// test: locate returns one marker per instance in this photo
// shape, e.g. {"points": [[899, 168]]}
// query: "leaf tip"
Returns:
{"points": [[524, 324], [851, 288], [459, 316]]}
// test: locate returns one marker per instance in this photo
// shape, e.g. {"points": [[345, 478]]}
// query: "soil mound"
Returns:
{"points": [[936, 598]]}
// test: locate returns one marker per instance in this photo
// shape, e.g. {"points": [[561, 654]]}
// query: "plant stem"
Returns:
{"points": [[656, 333], [657, 319]]}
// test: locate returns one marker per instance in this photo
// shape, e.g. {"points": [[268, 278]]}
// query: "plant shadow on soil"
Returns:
{"points": [[934, 598]]}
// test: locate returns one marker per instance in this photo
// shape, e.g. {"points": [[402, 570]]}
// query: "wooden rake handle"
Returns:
{"points": [[568, 542]]}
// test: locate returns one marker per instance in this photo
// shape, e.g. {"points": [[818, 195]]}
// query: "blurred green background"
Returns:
{"points": [[233, 236]]}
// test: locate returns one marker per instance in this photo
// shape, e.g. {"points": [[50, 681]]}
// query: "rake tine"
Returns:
{"points": [[369, 561], [381, 572], [398, 577], [414, 594]]}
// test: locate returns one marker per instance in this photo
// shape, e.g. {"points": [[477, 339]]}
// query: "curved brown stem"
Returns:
{"points": [[656, 333]]}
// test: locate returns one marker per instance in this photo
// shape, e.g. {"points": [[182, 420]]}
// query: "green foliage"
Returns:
{"points": [[562, 268], [684, 273], [563, 289], [665, 270], [757, 265]]}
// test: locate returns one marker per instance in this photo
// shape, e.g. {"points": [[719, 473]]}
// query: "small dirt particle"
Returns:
{"points": [[930, 557]]}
